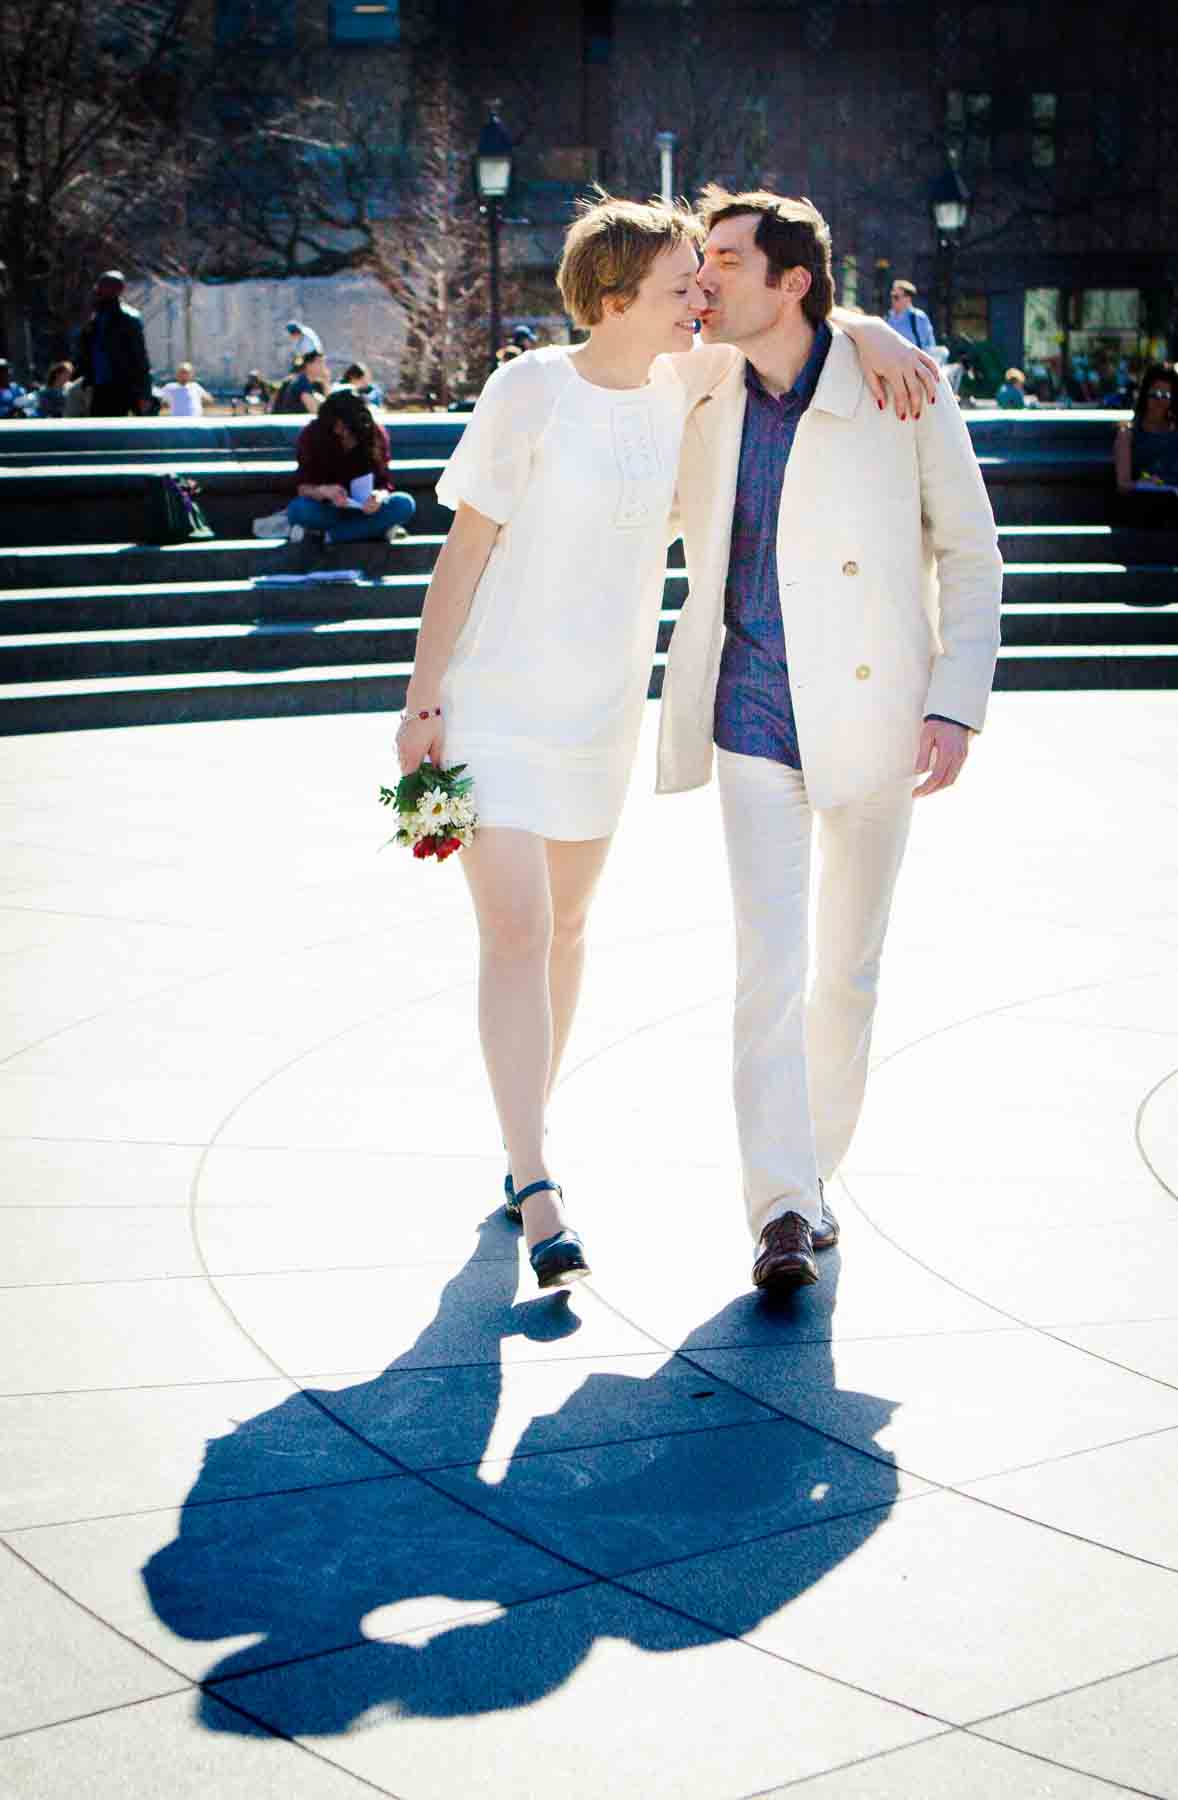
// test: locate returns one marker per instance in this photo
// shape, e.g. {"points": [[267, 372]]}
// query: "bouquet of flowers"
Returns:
{"points": [[435, 813]]}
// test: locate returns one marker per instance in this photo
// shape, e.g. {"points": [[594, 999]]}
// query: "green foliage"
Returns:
{"points": [[409, 791]]}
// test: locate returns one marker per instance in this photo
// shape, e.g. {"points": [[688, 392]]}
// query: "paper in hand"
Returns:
{"points": [[359, 490]]}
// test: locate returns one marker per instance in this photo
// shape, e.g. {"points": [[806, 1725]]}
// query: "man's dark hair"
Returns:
{"points": [[355, 372], [792, 233]]}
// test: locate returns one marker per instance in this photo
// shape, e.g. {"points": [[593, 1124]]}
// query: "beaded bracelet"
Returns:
{"points": [[430, 712]]}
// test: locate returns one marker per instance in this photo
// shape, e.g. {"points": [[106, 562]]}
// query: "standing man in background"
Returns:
{"points": [[112, 353], [907, 318], [303, 341]]}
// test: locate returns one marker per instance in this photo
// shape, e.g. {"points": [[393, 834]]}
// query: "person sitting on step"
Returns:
{"points": [[342, 484]]}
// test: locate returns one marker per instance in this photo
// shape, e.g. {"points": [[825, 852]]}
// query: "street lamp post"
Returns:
{"points": [[492, 178], [949, 204], [665, 142]]}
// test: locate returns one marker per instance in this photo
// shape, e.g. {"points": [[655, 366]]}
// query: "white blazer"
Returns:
{"points": [[889, 571]]}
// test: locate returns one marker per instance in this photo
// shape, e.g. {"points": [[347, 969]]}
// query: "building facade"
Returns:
{"points": [[1061, 120]]}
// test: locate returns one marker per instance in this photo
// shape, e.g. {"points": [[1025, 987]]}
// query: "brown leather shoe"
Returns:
{"points": [[787, 1255]]}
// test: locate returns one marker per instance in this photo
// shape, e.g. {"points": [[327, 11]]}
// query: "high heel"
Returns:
{"points": [[558, 1259], [510, 1203]]}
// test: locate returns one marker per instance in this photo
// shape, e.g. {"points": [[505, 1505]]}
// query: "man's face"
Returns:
{"points": [[106, 292], [315, 369], [901, 299], [734, 280]]}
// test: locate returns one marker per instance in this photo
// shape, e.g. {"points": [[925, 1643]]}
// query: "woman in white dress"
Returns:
{"points": [[537, 638]]}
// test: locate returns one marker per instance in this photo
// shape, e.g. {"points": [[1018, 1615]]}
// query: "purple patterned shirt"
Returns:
{"points": [[754, 712]]}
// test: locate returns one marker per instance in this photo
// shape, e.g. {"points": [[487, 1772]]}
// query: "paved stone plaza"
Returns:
{"points": [[306, 1493]]}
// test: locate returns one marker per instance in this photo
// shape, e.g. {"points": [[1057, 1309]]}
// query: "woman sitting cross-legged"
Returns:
{"points": [[341, 445]]}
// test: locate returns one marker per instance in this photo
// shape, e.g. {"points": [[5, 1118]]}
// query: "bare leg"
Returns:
{"points": [[507, 872], [573, 873]]}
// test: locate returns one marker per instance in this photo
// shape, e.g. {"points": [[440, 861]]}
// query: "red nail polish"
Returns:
{"points": [[880, 404], [903, 415]]}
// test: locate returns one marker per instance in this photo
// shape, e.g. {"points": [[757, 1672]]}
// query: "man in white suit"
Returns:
{"points": [[838, 640]]}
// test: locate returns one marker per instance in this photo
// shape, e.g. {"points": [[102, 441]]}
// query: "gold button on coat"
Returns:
{"points": [[850, 568], [862, 672]]}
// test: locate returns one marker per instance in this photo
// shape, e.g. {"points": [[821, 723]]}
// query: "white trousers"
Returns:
{"points": [[800, 1058]]}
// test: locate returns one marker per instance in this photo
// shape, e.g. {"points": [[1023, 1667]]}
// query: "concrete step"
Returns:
{"points": [[205, 649], [118, 606], [1074, 542], [93, 503], [1095, 666], [239, 558], [204, 559], [1090, 584], [1076, 626], [40, 443], [158, 605], [178, 699], [185, 699], [222, 559], [358, 631]]}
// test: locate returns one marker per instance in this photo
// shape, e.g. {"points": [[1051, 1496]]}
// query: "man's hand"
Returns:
{"points": [[910, 374], [943, 750]]}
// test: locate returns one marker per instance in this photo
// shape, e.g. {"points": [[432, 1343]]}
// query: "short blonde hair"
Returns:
{"points": [[611, 247]]}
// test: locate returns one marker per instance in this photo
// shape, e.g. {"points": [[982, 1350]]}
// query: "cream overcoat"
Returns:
{"points": [[889, 573]]}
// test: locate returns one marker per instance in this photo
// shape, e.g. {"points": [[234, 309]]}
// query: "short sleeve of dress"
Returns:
{"points": [[490, 467]]}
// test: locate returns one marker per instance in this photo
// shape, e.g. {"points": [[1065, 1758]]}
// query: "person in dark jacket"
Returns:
{"points": [[343, 445], [112, 353]]}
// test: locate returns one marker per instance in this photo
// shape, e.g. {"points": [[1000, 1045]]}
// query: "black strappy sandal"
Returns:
{"points": [[558, 1259]]}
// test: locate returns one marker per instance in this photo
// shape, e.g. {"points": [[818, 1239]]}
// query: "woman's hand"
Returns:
{"points": [[374, 502], [909, 373], [418, 741]]}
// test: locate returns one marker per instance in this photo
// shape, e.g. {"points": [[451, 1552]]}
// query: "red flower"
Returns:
{"points": [[424, 847], [447, 847]]}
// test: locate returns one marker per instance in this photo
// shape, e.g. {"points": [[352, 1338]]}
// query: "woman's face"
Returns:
{"points": [[347, 438], [668, 302], [1159, 401]]}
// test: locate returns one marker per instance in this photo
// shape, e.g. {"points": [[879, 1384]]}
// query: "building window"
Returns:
{"points": [[252, 25], [971, 316], [1043, 112], [969, 127], [1106, 115], [850, 281], [364, 21]]}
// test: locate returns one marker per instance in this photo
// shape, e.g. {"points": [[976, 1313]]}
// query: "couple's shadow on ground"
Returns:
{"points": [[627, 1473]]}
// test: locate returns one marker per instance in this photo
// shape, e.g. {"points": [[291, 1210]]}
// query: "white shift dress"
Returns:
{"points": [[543, 698]]}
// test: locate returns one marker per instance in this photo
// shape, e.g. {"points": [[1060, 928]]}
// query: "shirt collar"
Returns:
{"points": [[802, 391]]}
